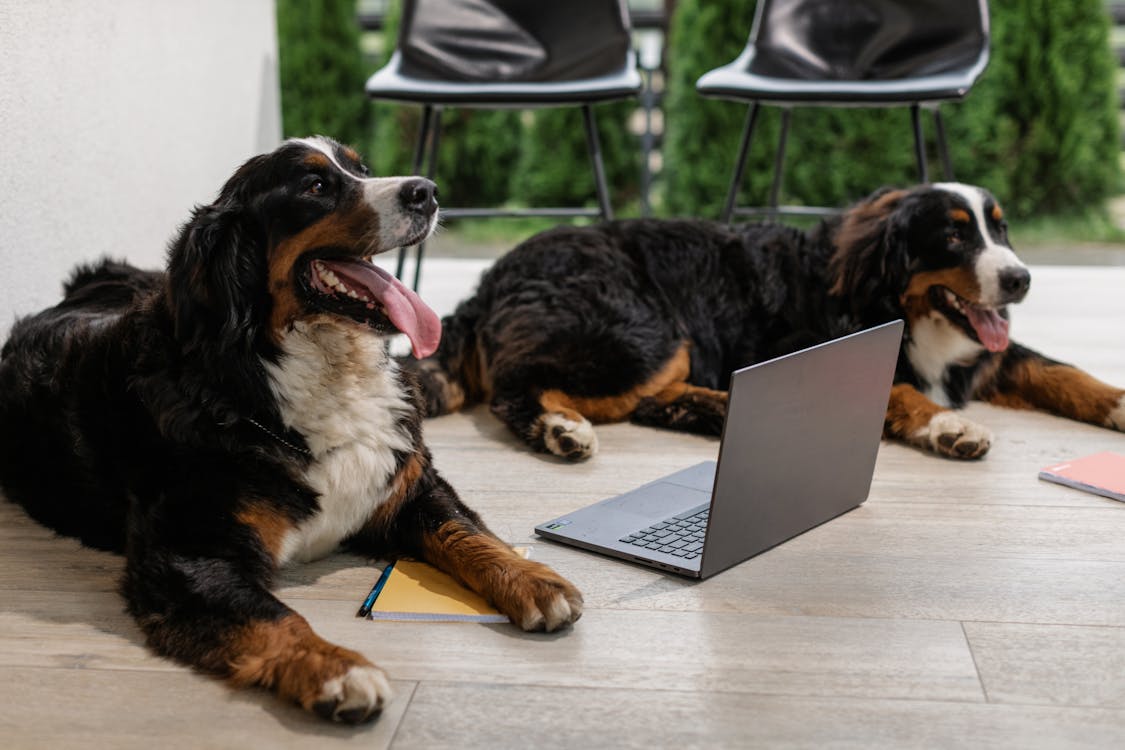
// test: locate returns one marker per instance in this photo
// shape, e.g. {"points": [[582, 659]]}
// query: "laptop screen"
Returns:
{"points": [[799, 444]]}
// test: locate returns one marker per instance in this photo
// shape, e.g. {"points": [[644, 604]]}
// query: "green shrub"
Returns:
{"points": [[1039, 129], [701, 135], [475, 154], [555, 169], [322, 71]]}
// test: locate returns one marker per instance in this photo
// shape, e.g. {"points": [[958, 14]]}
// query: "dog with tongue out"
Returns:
{"points": [[681, 303], [376, 288], [991, 329], [239, 412]]}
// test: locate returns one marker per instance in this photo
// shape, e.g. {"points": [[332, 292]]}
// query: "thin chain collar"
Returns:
{"points": [[278, 438]]}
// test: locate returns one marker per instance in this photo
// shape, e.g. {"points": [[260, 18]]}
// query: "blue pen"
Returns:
{"points": [[369, 602]]}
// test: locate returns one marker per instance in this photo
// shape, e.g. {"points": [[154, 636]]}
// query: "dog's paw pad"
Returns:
{"points": [[571, 439], [950, 434], [356, 696]]}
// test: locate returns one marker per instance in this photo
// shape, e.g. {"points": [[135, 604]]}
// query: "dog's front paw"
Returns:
{"points": [[568, 438], [950, 434], [538, 598], [354, 697]]}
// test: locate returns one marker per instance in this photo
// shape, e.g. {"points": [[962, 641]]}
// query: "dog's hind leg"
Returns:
{"points": [[665, 399], [547, 424], [559, 421], [684, 407], [441, 393]]}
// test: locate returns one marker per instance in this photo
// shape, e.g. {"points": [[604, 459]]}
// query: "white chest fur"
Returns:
{"points": [[338, 387], [936, 344]]}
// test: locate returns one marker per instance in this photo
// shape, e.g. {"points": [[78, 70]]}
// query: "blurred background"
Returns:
{"points": [[119, 115], [1041, 129]]}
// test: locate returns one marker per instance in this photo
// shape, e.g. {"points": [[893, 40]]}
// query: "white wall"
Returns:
{"points": [[116, 117]]}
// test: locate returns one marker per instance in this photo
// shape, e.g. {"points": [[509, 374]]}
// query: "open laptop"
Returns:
{"points": [[798, 448]]}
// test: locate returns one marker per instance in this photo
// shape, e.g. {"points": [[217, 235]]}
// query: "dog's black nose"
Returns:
{"points": [[1015, 282], [418, 195]]}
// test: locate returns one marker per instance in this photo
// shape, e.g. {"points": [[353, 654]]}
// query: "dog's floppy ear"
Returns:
{"points": [[214, 275], [870, 259]]}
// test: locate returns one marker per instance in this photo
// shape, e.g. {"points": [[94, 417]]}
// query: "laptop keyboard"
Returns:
{"points": [[680, 535]]}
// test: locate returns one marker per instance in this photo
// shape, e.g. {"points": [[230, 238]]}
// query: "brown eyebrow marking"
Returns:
{"points": [[317, 160], [961, 215], [997, 212], [351, 154]]}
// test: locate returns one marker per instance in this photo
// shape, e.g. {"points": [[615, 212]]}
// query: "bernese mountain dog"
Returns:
{"points": [[644, 320], [240, 412]]}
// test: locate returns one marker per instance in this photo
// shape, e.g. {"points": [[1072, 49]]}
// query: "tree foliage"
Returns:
{"points": [[554, 167], [322, 71]]}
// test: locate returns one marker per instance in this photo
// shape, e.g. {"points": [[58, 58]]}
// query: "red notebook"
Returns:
{"points": [[1102, 473]]}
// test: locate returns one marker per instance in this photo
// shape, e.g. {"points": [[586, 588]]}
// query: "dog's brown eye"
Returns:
{"points": [[315, 188], [954, 238]]}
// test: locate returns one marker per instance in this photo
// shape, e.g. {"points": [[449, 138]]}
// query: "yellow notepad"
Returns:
{"points": [[419, 592]]}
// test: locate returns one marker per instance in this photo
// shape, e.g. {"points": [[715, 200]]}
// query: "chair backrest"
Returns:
{"points": [[513, 40], [859, 40]]}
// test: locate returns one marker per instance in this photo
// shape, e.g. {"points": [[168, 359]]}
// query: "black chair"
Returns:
{"points": [[848, 53], [509, 54]]}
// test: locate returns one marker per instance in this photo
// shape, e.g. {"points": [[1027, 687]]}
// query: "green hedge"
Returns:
{"points": [[322, 71], [475, 154], [1039, 129], [555, 168]]}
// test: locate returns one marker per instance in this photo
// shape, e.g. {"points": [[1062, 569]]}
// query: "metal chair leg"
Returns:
{"points": [[779, 163], [595, 149], [423, 136], [740, 165], [419, 155], [919, 144], [648, 104], [431, 167], [943, 147]]}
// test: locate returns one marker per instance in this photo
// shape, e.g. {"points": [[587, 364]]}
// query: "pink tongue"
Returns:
{"points": [[405, 309], [992, 330]]}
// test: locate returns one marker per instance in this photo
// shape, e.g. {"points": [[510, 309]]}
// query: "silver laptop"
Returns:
{"points": [[798, 448]]}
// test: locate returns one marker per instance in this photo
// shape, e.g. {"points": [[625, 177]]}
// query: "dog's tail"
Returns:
{"points": [[453, 377], [109, 283]]}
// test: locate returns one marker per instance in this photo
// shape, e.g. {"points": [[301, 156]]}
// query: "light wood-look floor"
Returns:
{"points": [[966, 605]]}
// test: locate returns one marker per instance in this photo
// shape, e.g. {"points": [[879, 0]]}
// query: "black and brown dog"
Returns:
{"points": [[644, 320], [240, 412]]}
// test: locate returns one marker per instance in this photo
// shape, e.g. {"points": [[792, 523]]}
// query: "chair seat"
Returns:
{"points": [[737, 81], [390, 82]]}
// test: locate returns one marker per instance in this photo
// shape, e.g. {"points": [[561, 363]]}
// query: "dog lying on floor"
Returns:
{"points": [[644, 320], [241, 412]]}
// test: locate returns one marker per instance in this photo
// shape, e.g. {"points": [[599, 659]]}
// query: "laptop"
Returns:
{"points": [[798, 448]]}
